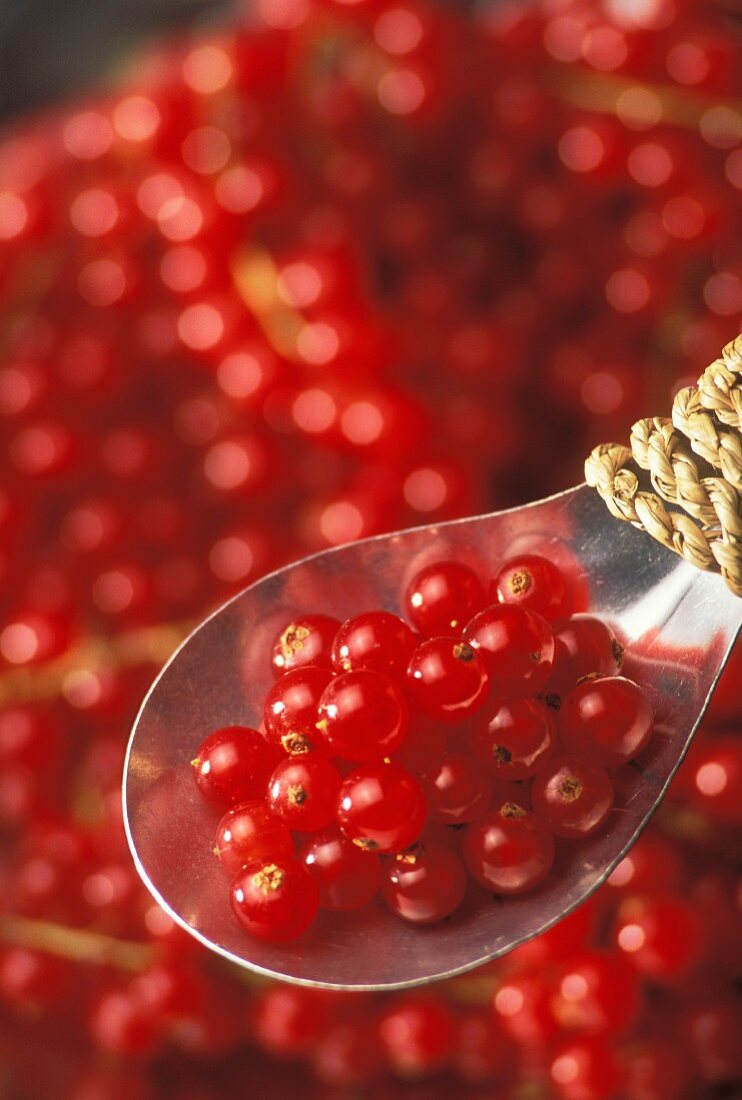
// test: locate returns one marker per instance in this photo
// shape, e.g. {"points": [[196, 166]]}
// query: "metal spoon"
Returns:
{"points": [[679, 626]]}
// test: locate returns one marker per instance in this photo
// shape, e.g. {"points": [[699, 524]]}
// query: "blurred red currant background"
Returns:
{"points": [[334, 268]]}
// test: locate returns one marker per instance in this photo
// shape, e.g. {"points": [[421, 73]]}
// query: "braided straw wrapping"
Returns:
{"points": [[719, 385], [694, 463]]}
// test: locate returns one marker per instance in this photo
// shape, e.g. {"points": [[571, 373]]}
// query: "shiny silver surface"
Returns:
{"points": [[678, 624]]}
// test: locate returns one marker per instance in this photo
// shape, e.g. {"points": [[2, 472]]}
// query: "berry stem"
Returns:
{"points": [[77, 944], [469, 990], [602, 92], [255, 277], [96, 949], [148, 645]]}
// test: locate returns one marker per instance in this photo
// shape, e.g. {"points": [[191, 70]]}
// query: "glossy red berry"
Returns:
{"points": [[443, 597], [483, 1052], [712, 776], [569, 934], [572, 795], [249, 832], [306, 640], [302, 792], [346, 876], [291, 709], [233, 765], [532, 582], [424, 884], [275, 900], [517, 645], [417, 1033], [654, 863], [170, 989], [425, 741], [381, 808], [584, 646], [363, 715], [447, 679], [656, 1068], [711, 1028], [347, 1055], [608, 720], [457, 789], [29, 636], [509, 850], [32, 982], [516, 740], [585, 1068], [122, 1024], [522, 1007], [376, 640], [597, 993], [288, 1020], [661, 936]]}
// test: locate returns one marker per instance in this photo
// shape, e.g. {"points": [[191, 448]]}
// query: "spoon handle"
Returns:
{"points": [[694, 461]]}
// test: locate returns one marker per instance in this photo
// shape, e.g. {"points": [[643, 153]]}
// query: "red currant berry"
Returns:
{"points": [[456, 788], [568, 935], [608, 720], [443, 597], [585, 1068], [363, 715], [32, 981], [304, 641], [653, 863], [425, 741], [532, 582], [424, 884], [275, 901], [347, 877], [288, 1020], [347, 1055], [382, 808], [713, 1030], [233, 764], [510, 850], [522, 1007], [170, 989], [517, 645], [584, 646], [122, 1024], [291, 709], [447, 679], [715, 899], [713, 775], [655, 1068], [596, 993], [573, 796], [660, 936], [375, 639], [250, 832], [417, 1034], [29, 636], [303, 792], [482, 1050], [518, 738]]}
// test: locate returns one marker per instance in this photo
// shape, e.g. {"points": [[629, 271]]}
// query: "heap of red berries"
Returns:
{"points": [[428, 226], [499, 720]]}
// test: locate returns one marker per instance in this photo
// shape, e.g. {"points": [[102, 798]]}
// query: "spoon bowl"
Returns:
{"points": [[679, 626]]}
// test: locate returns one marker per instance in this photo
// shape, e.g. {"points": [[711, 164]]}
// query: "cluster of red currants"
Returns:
{"points": [[431, 229], [627, 998], [376, 736]]}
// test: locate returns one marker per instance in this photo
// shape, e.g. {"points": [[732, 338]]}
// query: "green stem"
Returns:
{"points": [[149, 645], [77, 944]]}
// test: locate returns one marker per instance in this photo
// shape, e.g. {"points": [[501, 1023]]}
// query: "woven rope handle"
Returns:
{"points": [[692, 500]]}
